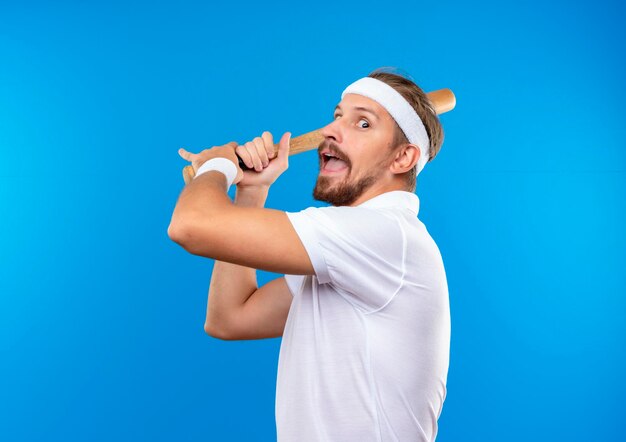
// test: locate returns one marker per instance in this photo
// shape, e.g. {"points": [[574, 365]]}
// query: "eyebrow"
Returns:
{"points": [[360, 108]]}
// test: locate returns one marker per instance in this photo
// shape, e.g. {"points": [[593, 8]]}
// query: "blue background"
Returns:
{"points": [[101, 314]]}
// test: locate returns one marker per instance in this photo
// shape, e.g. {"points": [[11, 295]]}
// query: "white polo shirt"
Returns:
{"points": [[365, 351]]}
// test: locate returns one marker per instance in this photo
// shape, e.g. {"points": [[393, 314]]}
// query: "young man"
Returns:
{"points": [[363, 307]]}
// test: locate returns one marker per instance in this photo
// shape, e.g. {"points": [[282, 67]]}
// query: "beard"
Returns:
{"points": [[344, 192]]}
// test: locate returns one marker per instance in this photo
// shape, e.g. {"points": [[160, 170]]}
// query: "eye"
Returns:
{"points": [[366, 122], [336, 116]]}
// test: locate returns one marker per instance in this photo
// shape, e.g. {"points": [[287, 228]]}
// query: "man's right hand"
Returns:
{"points": [[265, 165]]}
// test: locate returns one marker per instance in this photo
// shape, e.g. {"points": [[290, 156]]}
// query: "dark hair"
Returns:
{"points": [[418, 99]]}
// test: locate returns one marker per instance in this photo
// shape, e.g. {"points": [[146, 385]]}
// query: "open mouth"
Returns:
{"points": [[332, 163]]}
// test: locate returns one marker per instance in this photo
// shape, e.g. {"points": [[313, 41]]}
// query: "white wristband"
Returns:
{"points": [[221, 164]]}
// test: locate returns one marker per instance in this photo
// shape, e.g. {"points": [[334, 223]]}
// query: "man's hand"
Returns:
{"points": [[265, 165], [225, 151]]}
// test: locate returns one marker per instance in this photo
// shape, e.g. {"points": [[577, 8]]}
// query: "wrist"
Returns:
{"points": [[252, 196], [219, 164], [253, 189]]}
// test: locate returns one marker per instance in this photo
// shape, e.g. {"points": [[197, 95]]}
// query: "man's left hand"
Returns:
{"points": [[225, 151]]}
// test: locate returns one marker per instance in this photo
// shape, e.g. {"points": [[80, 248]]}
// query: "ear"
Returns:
{"points": [[405, 159]]}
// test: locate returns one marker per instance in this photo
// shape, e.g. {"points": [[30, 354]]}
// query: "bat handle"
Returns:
{"points": [[242, 165]]}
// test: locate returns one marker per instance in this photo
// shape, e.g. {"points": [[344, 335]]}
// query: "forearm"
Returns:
{"points": [[231, 284], [204, 196]]}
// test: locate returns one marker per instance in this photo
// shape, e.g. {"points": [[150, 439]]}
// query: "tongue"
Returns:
{"points": [[335, 164]]}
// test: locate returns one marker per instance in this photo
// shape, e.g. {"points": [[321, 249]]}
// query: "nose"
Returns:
{"points": [[332, 131]]}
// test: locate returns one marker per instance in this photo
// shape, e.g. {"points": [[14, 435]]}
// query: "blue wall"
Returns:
{"points": [[101, 315]]}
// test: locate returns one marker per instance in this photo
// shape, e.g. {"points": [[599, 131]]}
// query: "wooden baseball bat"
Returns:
{"points": [[443, 100]]}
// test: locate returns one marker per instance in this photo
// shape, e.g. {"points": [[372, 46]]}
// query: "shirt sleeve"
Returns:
{"points": [[360, 251]]}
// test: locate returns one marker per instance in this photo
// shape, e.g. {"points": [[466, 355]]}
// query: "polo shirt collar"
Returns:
{"points": [[394, 198]]}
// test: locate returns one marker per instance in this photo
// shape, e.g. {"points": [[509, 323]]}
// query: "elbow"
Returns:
{"points": [[218, 332], [182, 234], [180, 237], [180, 223], [194, 233], [176, 233]]}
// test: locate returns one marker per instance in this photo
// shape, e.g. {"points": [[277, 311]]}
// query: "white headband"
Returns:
{"points": [[399, 109]]}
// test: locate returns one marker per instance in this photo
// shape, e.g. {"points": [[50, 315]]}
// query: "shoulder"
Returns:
{"points": [[346, 215], [354, 227]]}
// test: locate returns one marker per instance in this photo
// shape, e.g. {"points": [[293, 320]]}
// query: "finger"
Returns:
{"points": [[260, 148], [269, 144], [283, 148], [245, 156], [255, 156], [239, 176], [188, 174], [186, 155]]}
